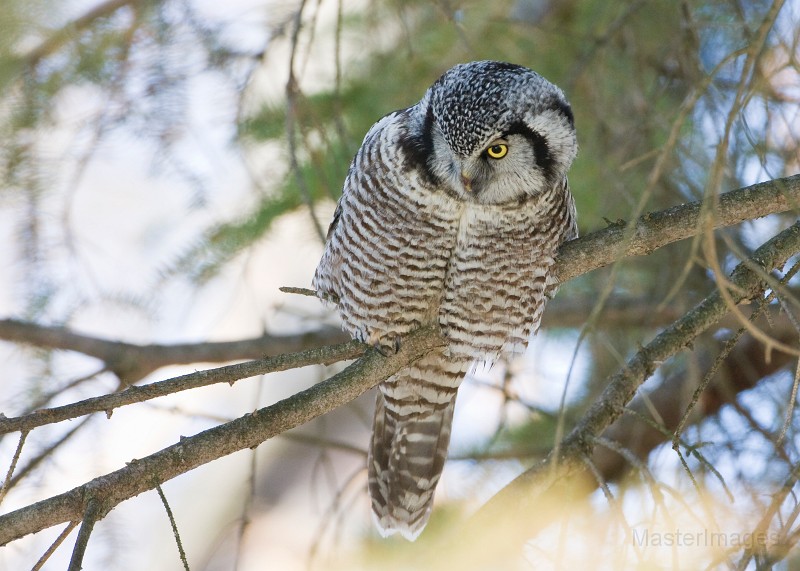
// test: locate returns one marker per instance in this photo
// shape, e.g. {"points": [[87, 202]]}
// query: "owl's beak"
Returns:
{"points": [[466, 181]]}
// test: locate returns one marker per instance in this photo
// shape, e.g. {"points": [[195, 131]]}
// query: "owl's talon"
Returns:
{"points": [[388, 349]]}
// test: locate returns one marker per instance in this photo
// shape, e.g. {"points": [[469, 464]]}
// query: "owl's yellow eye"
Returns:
{"points": [[497, 151]]}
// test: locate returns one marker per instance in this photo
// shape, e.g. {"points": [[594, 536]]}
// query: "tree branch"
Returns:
{"points": [[740, 371], [245, 432], [655, 230], [512, 512], [91, 515], [141, 393], [132, 362], [63, 35]]}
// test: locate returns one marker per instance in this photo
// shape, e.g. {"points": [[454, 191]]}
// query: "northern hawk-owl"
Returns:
{"points": [[452, 213]]}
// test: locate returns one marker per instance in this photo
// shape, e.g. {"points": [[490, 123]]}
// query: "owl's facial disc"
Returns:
{"points": [[525, 157], [504, 169]]}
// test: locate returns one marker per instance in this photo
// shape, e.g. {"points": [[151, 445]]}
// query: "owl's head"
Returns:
{"points": [[494, 132]]}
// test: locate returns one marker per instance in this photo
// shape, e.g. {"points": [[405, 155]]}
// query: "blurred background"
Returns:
{"points": [[167, 165]]}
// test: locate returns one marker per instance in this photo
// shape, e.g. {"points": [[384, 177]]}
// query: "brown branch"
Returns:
{"points": [[7, 483], [654, 230], [173, 524], [53, 546], [141, 393], [132, 362], [245, 432], [47, 452], [91, 514]]}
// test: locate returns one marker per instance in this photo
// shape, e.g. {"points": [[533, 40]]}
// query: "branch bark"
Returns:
{"points": [[655, 230], [245, 432]]}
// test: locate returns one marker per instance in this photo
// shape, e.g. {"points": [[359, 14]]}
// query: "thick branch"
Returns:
{"points": [[654, 230], [132, 362], [245, 432], [228, 374]]}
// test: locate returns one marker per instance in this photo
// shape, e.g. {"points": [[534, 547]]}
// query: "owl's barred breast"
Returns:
{"points": [[495, 291]]}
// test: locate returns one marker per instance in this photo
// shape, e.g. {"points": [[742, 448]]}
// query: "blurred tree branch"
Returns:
{"points": [[742, 370], [648, 233], [59, 37], [131, 362]]}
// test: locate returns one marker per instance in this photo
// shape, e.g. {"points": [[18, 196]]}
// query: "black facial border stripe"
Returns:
{"points": [[418, 148], [541, 150]]}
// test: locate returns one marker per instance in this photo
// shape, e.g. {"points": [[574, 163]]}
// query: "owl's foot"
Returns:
{"points": [[387, 346]]}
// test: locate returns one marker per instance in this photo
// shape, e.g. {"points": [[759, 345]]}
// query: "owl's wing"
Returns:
{"points": [[336, 215], [570, 226], [339, 245], [390, 242], [569, 231]]}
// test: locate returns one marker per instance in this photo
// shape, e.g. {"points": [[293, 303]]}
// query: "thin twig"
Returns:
{"points": [[292, 91], [174, 525], [328, 518], [46, 453], [90, 516], [63, 35], [790, 407], [743, 92], [244, 519], [7, 481], [701, 387], [53, 546], [298, 291]]}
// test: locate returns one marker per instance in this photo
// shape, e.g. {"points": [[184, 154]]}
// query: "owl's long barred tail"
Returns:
{"points": [[411, 433]]}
